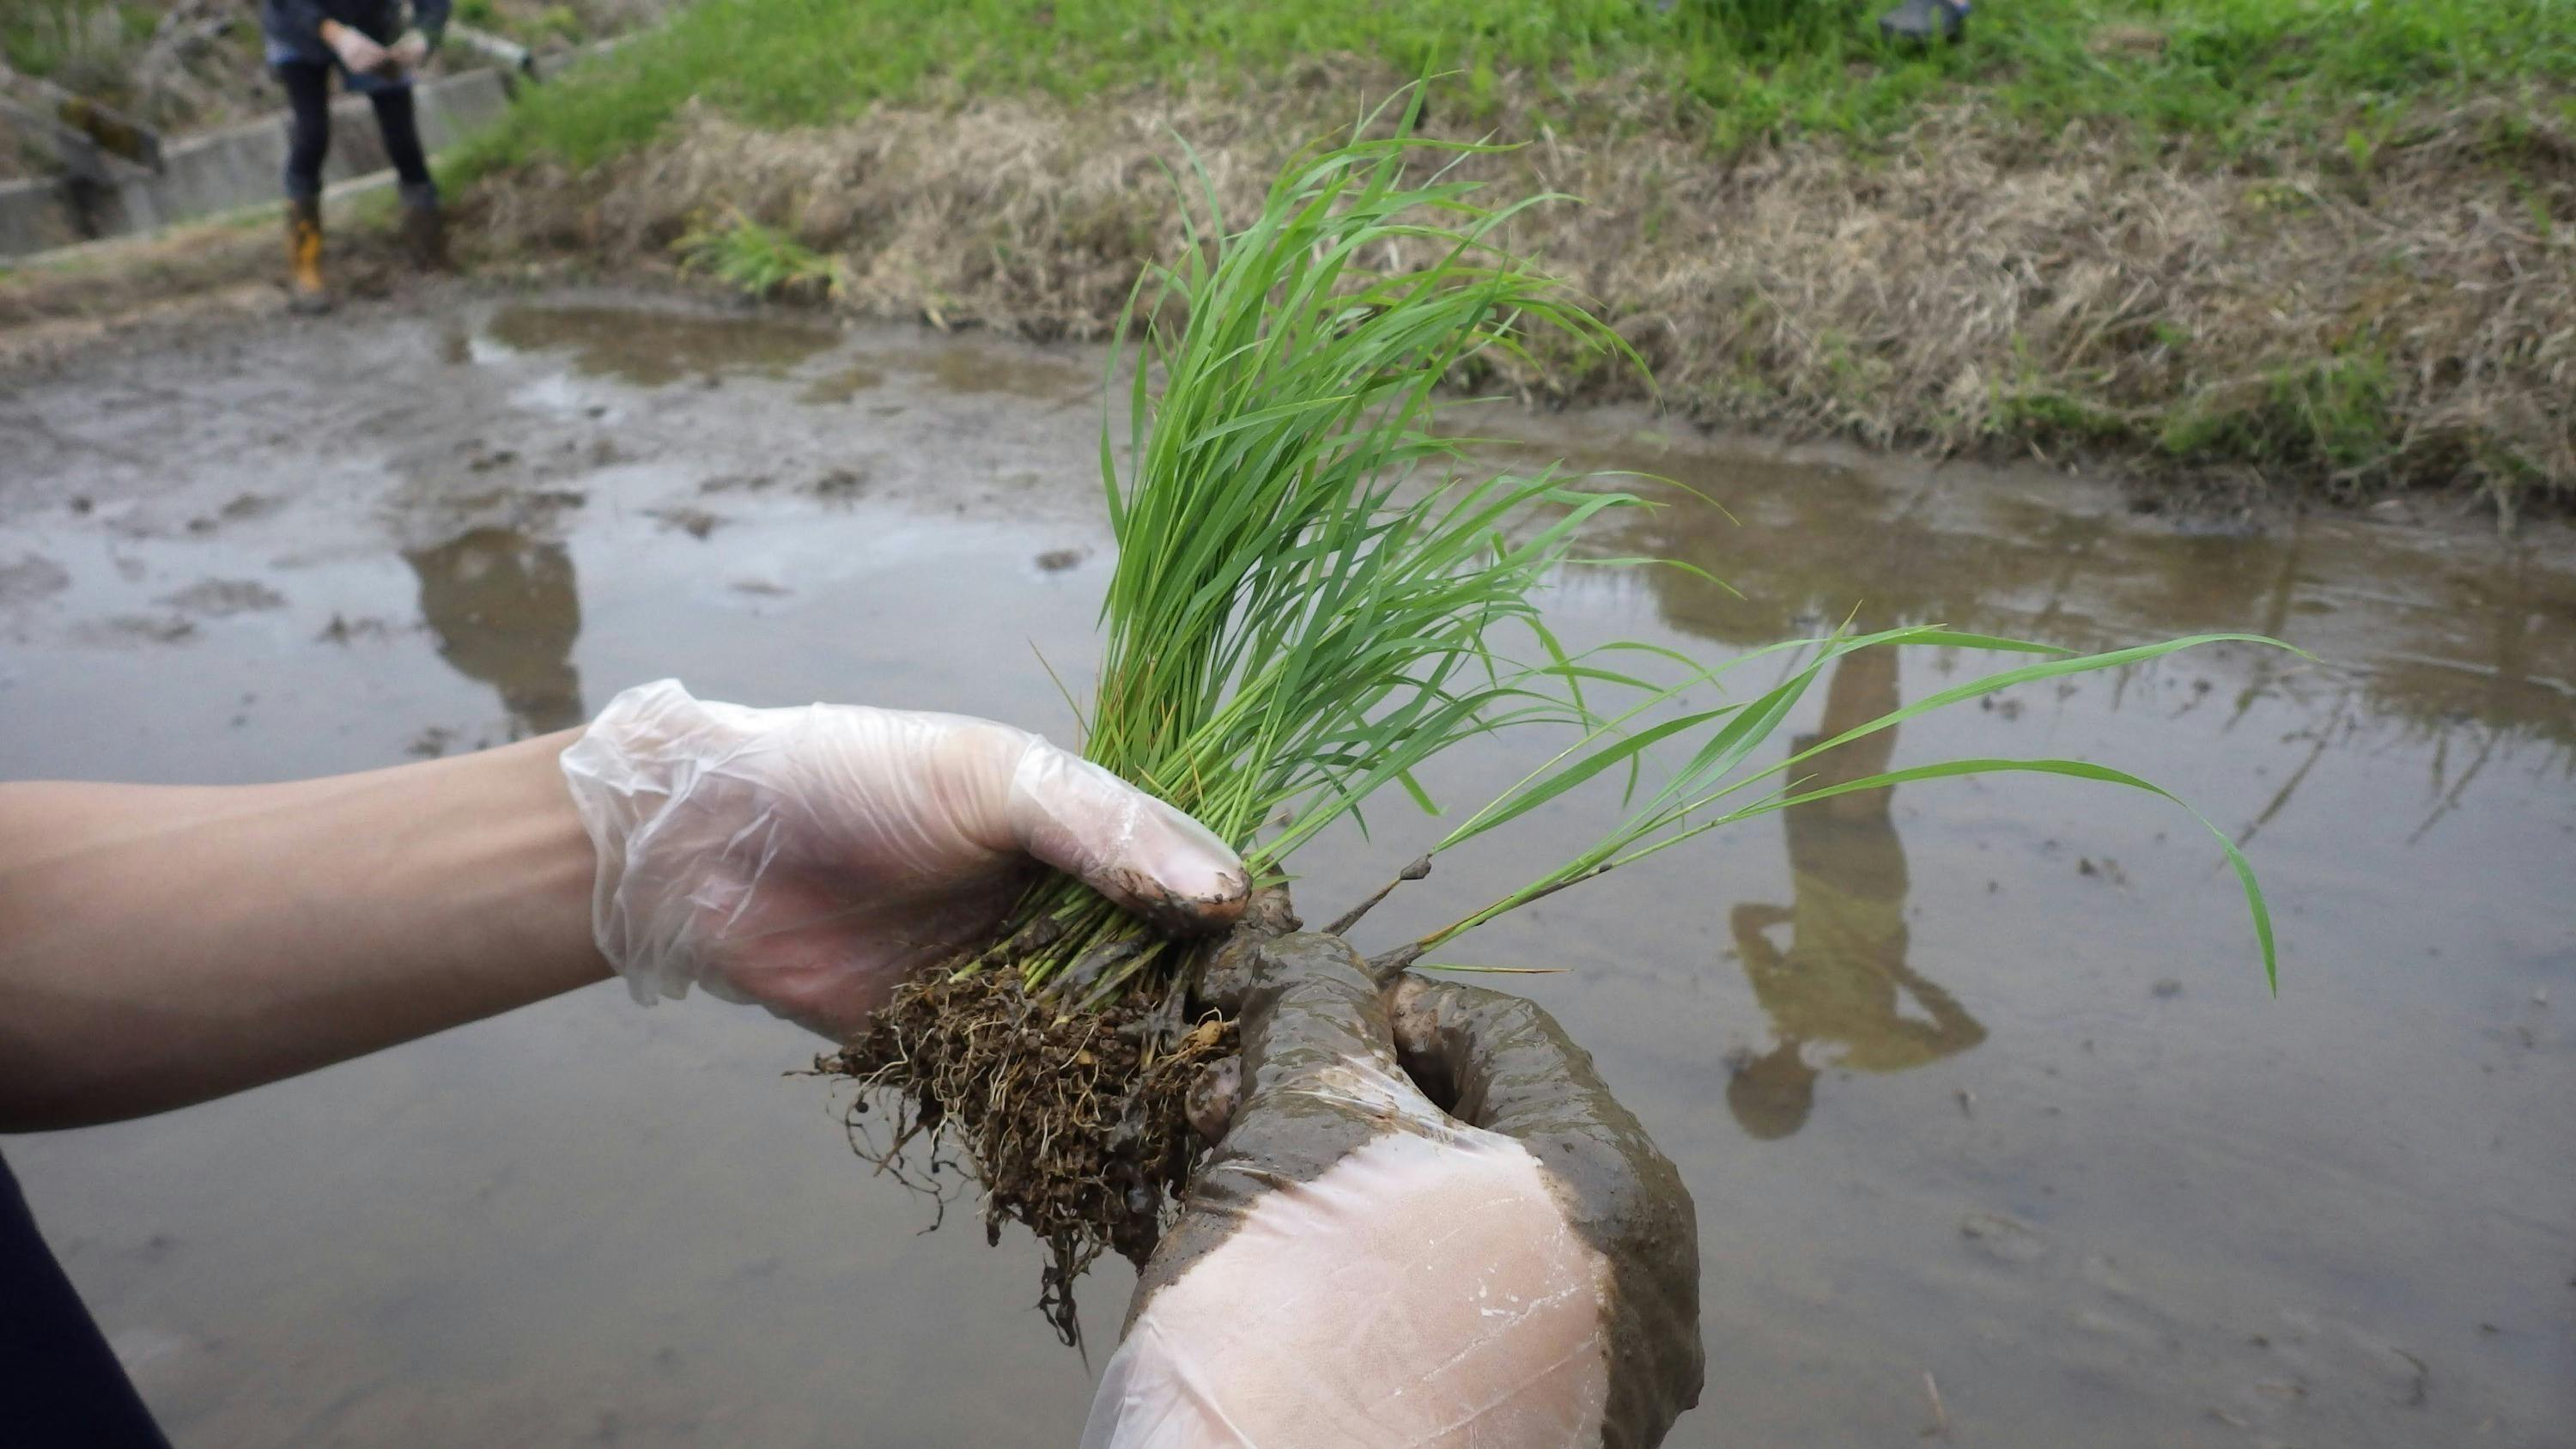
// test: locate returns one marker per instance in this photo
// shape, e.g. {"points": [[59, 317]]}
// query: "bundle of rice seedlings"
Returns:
{"points": [[1316, 592]]}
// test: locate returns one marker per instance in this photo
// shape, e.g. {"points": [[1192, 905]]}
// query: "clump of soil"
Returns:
{"points": [[1074, 1117]]}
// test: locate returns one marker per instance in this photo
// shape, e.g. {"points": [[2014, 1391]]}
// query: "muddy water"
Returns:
{"points": [[1977, 1085]]}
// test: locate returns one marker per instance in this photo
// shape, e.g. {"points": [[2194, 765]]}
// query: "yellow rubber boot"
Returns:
{"points": [[305, 291]]}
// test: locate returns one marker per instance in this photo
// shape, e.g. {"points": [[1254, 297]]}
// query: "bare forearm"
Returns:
{"points": [[162, 945]]}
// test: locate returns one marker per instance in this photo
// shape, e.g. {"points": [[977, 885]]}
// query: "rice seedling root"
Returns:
{"points": [[1078, 1120]]}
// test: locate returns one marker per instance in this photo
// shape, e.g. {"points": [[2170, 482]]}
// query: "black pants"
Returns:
{"points": [[308, 93], [60, 1385]]}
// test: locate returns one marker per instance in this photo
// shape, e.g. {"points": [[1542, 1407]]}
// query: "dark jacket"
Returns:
{"points": [[293, 28]]}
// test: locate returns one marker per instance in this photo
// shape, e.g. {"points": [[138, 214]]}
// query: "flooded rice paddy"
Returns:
{"points": [[1995, 1132]]}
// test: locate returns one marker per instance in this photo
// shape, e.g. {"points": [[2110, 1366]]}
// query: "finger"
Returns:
{"points": [[806, 952], [1311, 1017], [1129, 846], [1498, 1062]]}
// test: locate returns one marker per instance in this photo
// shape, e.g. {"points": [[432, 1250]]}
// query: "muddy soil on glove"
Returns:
{"points": [[1977, 1087]]}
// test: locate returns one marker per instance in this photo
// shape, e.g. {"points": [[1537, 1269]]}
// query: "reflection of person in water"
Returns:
{"points": [[1840, 981], [505, 612]]}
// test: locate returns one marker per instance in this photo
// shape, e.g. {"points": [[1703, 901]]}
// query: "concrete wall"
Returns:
{"points": [[32, 217], [244, 165]]}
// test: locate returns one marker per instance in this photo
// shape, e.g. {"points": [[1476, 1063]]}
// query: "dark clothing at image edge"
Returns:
{"points": [[60, 1385]]}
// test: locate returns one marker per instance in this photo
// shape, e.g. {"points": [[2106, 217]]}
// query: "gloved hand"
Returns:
{"points": [[409, 50], [810, 859], [1356, 1266], [361, 55]]}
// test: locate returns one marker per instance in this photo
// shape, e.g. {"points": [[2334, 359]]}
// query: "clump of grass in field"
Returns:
{"points": [[760, 260], [1317, 593], [2335, 409], [1312, 591]]}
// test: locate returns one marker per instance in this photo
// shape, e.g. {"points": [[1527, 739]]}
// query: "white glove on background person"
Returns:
{"points": [[357, 50], [809, 859], [1356, 1267], [409, 51]]}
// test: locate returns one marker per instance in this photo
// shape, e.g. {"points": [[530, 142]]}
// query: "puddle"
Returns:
{"points": [[841, 386], [966, 368], [217, 598], [1977, 1085], [654, 347]]}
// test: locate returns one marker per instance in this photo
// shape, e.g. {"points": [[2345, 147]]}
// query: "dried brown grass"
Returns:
{"points": [[2406, 320]]}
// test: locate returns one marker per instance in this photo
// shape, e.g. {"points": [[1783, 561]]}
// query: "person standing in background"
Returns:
{"points": [[376, 55]]}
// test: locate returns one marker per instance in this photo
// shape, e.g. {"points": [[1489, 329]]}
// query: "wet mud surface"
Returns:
{"points": [[1976, 1086]]}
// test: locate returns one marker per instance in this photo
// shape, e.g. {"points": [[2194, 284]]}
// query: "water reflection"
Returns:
{"points": [[2468, 652], [964, 368], [1836, 992], [506, 612]]}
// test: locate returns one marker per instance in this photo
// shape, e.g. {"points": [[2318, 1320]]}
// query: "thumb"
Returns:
{"points": [[1503, 1064], [1127, 845], [1315, 1033]]}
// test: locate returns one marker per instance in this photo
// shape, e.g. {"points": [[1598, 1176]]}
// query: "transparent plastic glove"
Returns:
{"points": [[1356, 1266], [809, 859], [361, 54], [408, 51]]}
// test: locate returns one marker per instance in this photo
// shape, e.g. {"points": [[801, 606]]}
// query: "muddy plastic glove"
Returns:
{"points": [[1356, 1266], [809, 859]]}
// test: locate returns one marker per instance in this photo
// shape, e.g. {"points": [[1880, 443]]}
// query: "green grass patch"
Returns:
{"points": [[2045, 413], [2335, 410], [85, 45], [761, 261], [2230, 75]]}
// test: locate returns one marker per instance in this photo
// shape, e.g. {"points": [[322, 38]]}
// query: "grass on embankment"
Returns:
{"points": [[2233, 77], [2331, 242]]}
